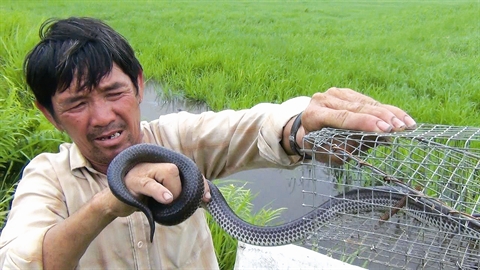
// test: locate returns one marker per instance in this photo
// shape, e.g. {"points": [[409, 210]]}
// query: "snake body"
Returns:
{"points": [[354, 201]]}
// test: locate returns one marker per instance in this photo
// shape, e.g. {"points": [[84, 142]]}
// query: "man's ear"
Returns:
{"points": [[49, 116], [141, 87]]}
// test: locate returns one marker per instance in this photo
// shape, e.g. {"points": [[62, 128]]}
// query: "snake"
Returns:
{"points": [[190, 199]]}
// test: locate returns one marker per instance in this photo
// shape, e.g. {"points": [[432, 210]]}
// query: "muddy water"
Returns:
{"points": [[274, 187]]}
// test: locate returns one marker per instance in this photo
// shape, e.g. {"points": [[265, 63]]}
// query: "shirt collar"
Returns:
{"points": [[78, 161]]}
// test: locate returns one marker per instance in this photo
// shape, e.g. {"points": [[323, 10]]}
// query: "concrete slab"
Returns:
{"points": [[285, 257]]}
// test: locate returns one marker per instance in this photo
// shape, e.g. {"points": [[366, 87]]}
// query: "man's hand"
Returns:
{"points": [[346, 109], [206, 195], [160, 181]]}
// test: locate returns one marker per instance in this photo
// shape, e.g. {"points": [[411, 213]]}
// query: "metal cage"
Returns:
{"points": [[424, 186]]}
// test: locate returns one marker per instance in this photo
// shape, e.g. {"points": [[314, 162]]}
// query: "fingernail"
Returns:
{"points": [[208, 195], [384, 126], [397, 123], [409, 122], [167, 196]]}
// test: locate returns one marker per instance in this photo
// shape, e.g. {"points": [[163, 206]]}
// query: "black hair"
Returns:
{"points": [[83, 49]]}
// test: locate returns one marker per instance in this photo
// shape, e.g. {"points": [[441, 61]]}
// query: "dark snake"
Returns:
{"points": [[190, 199]]}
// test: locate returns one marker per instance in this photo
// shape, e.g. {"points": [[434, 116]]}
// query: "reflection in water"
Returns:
{"points": [[276, 188], [156, 103]]}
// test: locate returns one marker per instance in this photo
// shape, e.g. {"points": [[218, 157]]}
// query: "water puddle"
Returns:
{"points": [[156, 103]]}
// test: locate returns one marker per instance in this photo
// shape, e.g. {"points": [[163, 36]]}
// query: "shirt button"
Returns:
{"points": [[140, 244]]}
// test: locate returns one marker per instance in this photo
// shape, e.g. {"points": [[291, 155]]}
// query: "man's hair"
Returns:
{"points": [[81, 49]]}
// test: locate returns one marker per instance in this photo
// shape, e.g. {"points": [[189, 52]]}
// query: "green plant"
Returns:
{"points": [[24, 134], [240, 200]]}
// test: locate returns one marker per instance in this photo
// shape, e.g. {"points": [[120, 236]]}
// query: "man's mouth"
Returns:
{"points": [[113, 136]]}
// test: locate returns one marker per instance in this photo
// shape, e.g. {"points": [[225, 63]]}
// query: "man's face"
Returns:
{"points": [[101, 122]]}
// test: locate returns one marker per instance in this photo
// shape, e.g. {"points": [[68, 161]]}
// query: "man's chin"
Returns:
{"points": [[104, 153], [114, 151]]}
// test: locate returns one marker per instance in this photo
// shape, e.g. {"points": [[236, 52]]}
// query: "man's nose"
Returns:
{"points": [[102, 113]]}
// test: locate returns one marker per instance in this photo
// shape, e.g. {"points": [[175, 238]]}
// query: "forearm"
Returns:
{"points": [[66, 242]]}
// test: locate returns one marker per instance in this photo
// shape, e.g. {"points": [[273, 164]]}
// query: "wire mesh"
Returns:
{"points": [[423, 196]]}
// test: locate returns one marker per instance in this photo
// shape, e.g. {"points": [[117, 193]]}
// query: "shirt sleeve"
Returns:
{"points": [[225, 142], [38, 205]]}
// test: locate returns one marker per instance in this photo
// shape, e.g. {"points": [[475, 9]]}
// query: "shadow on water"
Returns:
{"points": [[275, 188]]}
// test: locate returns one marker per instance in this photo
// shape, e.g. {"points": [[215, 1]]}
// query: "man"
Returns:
{"points": [[88, 83]]}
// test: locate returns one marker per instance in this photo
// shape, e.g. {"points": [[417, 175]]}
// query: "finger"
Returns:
{"points": [[396, 118], [160, 181], [350, 95], [206, 196], [168, 175], [343, 119], [402, 115], [157, 191], [379, 111], [361, 104]]}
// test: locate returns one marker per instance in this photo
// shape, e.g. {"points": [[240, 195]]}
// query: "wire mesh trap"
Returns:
{"points": [[409, 200]]}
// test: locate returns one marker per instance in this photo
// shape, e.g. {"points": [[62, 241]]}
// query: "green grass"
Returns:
{"points": [[240, 200], [24, 133], [422, 56]]}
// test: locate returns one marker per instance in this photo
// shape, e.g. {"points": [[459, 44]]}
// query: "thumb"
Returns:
{"points": [[206, 195]]}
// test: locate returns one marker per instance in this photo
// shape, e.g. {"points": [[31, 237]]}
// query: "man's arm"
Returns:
{"points": [[66, 242]]}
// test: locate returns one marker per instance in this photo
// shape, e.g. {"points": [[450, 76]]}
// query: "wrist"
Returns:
{"points": [[297, 132], [104, 203]]}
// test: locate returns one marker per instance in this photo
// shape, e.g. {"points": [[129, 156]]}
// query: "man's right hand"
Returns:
{"points": [[160, 181]]}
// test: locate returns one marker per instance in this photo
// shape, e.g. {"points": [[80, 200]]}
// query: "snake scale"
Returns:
{"points": [[189, 200]]}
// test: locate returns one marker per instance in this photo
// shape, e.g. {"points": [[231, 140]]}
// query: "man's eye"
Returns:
{"points": [[77, 106], [115, 94]]}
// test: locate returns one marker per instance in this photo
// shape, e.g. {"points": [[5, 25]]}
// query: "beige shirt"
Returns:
{"points": [[54, 186]]}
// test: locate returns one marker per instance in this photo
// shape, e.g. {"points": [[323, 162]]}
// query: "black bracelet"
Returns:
{"points": [[293, 137], [293, 134]]}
